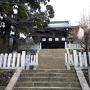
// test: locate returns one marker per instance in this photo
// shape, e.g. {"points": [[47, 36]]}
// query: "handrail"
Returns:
{"points": [[80, 75], [14, 79], [73, 46], [82, 80], [68, 67]]}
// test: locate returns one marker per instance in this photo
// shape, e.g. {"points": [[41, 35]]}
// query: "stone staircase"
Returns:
{"points": [[50, 75], [51, 59]]}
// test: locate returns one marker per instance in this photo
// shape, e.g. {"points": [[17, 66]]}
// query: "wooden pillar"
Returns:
{"points": [[80, 59], [75, 58], [23, 58]]}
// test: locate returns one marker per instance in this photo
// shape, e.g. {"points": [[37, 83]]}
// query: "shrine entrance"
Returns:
{"points": [[51, 43]]}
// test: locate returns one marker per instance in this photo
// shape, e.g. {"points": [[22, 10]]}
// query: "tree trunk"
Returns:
{"points": [[15, 42]]}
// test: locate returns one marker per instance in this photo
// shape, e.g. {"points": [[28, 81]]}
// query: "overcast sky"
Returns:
{"points": [[71, 10]]}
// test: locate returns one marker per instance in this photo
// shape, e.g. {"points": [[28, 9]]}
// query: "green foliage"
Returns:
{"points": [[26, 20], [40, 20], [50, 11], [22, 14], [34, 16], [5, 7]]}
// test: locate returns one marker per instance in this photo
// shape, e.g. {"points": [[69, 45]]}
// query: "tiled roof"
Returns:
{"points": [[59, 24]]}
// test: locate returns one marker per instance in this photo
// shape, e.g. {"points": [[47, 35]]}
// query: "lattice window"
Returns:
{"points": [[56, 39], [43, 39], [63, 38], [50, 39]]}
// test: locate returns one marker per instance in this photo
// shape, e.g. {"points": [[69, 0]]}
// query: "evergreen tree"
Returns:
{"points": [[25, 16]]}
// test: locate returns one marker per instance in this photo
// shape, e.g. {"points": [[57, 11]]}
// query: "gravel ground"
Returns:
{"points": [[5, 76]]}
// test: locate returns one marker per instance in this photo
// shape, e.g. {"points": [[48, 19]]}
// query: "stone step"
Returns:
{"points": [[62, 79], [51, 67], [51, 74], [48, 71], [48, 75], [52, 56], [52, 51], [48, 84], [47, 88], [51, 62], [60, 63], [51, 59]]}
